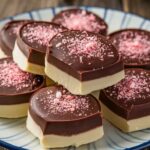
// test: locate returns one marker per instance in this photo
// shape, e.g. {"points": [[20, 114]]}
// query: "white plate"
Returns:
{"points": [[13, 133]]}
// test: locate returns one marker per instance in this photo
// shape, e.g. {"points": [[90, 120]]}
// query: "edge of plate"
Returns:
{"points": [[10, 146]]}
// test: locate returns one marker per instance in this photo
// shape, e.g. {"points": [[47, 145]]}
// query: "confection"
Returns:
{"points": [[59, 118], [16, 88], [127, 104], [83, 62]]}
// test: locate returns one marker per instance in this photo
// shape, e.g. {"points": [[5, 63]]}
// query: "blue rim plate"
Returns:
{"points": [[13, 133]]}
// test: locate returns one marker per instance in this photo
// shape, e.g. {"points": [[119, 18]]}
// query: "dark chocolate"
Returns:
{"points": [[34, 38], [83, 20], [57, 111], [134, 47], [16, 86], [8, 35], [130, 98], [84, 55]]}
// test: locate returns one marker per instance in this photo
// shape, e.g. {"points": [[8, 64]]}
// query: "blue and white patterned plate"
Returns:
{"points": [[13, 133]]}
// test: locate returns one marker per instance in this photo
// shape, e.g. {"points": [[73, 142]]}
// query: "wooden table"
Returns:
{"points": [[13, 7]]}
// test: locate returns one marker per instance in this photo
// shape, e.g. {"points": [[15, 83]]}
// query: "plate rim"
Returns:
{"points": [[10, 146], [13, 147]]}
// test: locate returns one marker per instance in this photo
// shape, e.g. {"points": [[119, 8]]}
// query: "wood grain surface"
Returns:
{"points": [[13, 7]]}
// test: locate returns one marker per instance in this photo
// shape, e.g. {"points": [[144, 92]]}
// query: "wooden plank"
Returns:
{"points": [[13, 7], [141, 7], [125, 5]]}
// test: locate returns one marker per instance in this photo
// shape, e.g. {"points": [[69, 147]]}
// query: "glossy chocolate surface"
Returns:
{"points": [[134, 47], [16, 86], [57, 111], [34, 38], [8, 35], [84, 55], [78, 19], [129, 98]]}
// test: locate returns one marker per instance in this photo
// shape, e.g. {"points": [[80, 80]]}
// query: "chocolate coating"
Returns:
{"points": [[78, 19], [59, 112], [8, 35], [34, 38], [134, 47], [84, 55], [16, 86], [129, 98]]}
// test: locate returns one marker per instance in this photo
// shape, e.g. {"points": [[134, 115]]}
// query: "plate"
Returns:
{"points": [[15, 136]]}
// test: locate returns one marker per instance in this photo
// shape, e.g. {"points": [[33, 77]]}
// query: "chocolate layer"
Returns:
{"points": [[59, 112], [34, 38], [84, 55], [134, 47], [78, 19], [16, 86], [129, 98], [8, 35]]}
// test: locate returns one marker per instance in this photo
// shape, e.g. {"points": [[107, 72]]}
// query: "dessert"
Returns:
{"points": [[32, 43], [83, 62], [8, 36], [78, 19], [59, 118], [134, 47], [127, 104], [16, 88]]}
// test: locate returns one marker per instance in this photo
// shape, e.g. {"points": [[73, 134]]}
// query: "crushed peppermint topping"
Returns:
{"points": [[85, 45], [40, 33], [80, 20], [133, 47], [61, 101], [16, 28], [134, 87], [12, 76]]}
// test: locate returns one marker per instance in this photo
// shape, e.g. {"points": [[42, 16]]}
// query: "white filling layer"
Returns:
{"points": [[123, 124], [23, 63], [55, 141], [14, 110], [77, 87], [2, 54]]}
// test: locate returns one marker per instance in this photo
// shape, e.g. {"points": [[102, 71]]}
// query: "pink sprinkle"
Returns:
{"points": [[69, 97], [72, 109], [16, 28], [56, 101], [12, 76], [40, 33], [58, 94], [80, 20], [133, 46]]}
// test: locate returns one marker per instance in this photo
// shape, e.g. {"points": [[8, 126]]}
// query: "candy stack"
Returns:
{"points": [[127, 104]]}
